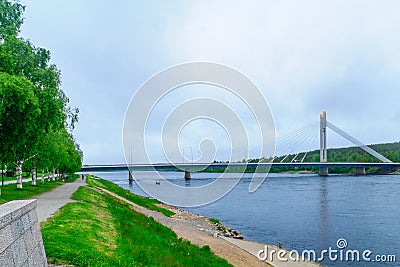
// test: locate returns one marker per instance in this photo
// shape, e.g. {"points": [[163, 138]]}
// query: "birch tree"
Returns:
{"points": [[24, 62], [19, 116]]}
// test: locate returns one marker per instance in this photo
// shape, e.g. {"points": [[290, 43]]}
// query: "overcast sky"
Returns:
{"points": [[305, 56]]}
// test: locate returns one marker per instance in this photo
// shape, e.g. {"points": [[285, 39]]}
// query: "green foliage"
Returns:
{"points": [[10, 18], [19, 117], [214, 221], [148, 203], [100, 230], [58, 150], [33, 109]]}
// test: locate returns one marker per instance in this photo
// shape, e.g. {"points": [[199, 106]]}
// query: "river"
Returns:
{"points": [[306, 212]]}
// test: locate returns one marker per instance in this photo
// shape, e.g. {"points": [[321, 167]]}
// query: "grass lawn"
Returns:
{"points": [[10, 192], [141, 201], [101, 230]]}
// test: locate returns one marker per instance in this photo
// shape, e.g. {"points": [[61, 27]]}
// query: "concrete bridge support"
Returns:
{"points": [[187, 175], [323, 171], [130, 177], [360, 171]]}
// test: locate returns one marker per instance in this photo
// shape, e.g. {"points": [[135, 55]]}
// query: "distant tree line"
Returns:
{"points": [[36, 122]]}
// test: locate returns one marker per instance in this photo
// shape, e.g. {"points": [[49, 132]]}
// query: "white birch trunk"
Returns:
{"points": [[48, 175], [19, 174], [33, 171], [42, 176], [53, 175]]}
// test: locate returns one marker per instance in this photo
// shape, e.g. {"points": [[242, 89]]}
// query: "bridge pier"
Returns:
{"points": [[187, 175], [360, 171], [323, 171], [130, 177]]}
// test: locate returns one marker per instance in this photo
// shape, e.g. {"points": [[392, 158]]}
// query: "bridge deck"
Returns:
{"points": [[201, 166]]}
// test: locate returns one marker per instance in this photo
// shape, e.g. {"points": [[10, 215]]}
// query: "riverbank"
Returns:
{"points": [[302, 212], [201, 230], [193, 233], [102, 229]]}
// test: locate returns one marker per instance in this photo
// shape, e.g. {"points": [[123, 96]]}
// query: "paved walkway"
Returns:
{"points": [[49, 202]]}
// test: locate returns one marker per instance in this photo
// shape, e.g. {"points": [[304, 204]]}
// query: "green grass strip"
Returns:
{"points": [[101, 230], [81, 233], [141, 201]]}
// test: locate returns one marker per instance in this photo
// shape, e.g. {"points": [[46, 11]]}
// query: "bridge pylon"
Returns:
{"points": [[323, 152]]}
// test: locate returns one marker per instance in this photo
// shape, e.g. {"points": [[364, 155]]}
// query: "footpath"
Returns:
{"points": [[49, 202]]}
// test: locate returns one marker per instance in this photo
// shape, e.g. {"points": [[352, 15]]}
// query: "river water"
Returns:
{"points": [[306, 212]]}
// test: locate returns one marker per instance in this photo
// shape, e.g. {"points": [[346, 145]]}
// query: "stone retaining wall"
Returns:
{"points": [[21, 241]]}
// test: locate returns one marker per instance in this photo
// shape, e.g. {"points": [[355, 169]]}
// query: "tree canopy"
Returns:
{"points": [[36, 122]]}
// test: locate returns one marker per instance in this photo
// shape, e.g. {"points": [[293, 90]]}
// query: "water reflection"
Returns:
{"points": [[324, 211]]}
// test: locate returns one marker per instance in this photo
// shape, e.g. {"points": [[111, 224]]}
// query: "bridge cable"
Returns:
{"points": [[357, 142]]}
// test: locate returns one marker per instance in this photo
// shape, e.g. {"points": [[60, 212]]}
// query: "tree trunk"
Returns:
{"points": [[2, 175], [19, 174], [33, 171], [53, 175], [42, 176], [48, 174]]}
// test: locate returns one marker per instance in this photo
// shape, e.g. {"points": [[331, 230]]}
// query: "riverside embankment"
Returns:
{"points": [[197, 229], [99, 223], [304, 211], [107, 225]]}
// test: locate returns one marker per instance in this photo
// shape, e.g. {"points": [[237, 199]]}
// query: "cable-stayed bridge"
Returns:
{"points": [[385, 165]]}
